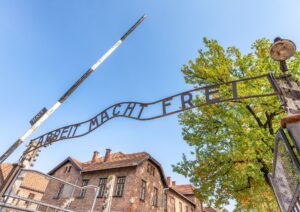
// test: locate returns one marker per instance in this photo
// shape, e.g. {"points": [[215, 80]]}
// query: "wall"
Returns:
{"points": [[53, 186], [173, 197]]}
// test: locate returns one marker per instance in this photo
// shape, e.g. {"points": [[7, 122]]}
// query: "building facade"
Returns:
{"points": [[139, 185], [115, 182], [32, 187]]}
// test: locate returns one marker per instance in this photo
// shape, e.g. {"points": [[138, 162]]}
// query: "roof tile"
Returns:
{"points": [[5, 169], [117, 160], [187, 189]]}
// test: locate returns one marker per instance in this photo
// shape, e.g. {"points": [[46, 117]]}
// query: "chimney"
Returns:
{"points": [[168, 181], [95, 157], [107, 155], [173, 183]]}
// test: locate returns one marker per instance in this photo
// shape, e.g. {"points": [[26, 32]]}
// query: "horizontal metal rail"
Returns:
{"points": [[5, 205], [57, 179], [38, 203]]}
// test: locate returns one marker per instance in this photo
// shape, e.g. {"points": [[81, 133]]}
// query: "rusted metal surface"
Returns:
{"points": [[282, 49], [293, 118]]}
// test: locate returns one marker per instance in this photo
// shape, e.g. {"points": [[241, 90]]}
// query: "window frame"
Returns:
{"points": [[151, 169], [120, 186], [180, 207], [102, 187], [82, 191], [30, 197], [68, 169], [60, 190], [173, 204], [155, 197], [143, 190], [165, 202]]}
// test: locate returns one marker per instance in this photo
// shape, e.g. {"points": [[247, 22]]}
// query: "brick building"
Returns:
{"points": [[5, 169], [32, 187], [140, 185]]}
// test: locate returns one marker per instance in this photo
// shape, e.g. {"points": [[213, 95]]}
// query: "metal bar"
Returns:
{"points": [[281, 137], [48, 142], [293, 203], [96, 188], [9, 180], [273, 185], [68, 93], [38, 202], [290, 150], [95, 198], [4, 205], [275, 155], [9, 185], [57, 179]]}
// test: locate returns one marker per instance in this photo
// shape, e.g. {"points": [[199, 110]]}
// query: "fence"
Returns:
{"points": [[285, 174], [32, 190]]}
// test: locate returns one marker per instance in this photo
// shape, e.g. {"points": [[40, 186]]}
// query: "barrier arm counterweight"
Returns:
{"points": [[61, 100]]}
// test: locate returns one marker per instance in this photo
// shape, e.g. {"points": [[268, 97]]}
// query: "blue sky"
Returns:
{"points": [[46, 45]]}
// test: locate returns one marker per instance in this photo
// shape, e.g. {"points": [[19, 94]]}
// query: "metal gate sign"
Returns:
{"points": [[197, 97]]}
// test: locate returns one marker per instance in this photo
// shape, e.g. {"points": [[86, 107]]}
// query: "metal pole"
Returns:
{"points": [[68, 93], [95, 198]]}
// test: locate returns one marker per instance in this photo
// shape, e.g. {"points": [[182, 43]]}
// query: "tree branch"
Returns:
{"points": [[246, 187], [255, 116], [269, 122]]}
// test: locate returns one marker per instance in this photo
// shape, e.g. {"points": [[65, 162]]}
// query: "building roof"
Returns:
{"points": [[182, 195], [5, 169], [186, 189], [76, 163], [209, 209], [116, 160]]}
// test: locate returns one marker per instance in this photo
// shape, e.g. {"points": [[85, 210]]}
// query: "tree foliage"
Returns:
{"points": [[233, 142]]}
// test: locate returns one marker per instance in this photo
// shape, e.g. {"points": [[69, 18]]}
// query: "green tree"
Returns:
{"points": [[233, 142]]}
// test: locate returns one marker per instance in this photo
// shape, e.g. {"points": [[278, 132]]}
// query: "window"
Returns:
{"points": [[102, 186], [68, 169], [14, 199], [180, 206], [30, 196], [155, 197], [120, 186], [148, 167], [151, 169], [60, 190], [83, 190], [172, 209], [165, 202], [143, 190], [186, 209]]}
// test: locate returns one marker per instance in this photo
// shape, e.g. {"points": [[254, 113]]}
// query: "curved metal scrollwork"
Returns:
{"points": [[206, 95]]}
